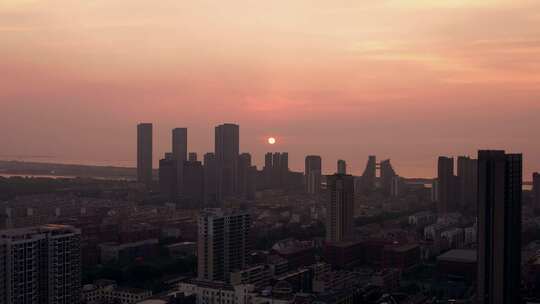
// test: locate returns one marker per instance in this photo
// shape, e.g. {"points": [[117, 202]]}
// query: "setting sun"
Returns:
{"points": [[271, 140]]}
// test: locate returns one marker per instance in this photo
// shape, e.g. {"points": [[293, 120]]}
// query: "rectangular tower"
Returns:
{"points": [[41, 265], [341, 167], [227, 147], [467, 170], [144, 153], [536, 192], [340, 208], [446, 185], [168, 178], [210, 179], [499, 227], [222, 243], [180, 154], [312, 172]]}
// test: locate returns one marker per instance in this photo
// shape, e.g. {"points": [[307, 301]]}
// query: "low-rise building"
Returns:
{"points": [[128, 251], [259, 276]]}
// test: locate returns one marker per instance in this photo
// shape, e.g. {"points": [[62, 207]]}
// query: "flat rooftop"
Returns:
{"points": [[458, 255]]}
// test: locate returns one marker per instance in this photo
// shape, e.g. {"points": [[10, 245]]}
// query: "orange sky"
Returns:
{"points": [[409, 79]]}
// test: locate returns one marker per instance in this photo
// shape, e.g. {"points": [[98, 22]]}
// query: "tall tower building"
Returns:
{"points": [[284, 170], [168, 179], [536, 192], [313, 173], [210, 179], [499, 227], [246, 179], [41, 265], [467, 182], [222, 243], [144, 153], [194, 182], [340, 208], [446, 185], [268, 170], [180, 154], [369, 176], [341, 167], [387, 176], [227, 146]]}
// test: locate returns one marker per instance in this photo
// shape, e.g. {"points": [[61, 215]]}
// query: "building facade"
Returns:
{"points": [[340, 208], [499, 227], [42, 265], [313, 174], [222, 243]]}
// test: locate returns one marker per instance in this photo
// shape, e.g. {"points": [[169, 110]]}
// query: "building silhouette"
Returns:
{"points": [[369, 177], [276, 170], [40, 265], [193, 183], [210, 179], [499, 227], [340, 208], [192, 156], [467, 182], [313, 174], [446, 185], [144, 153], [247, 175], [180, 154], [168, 179], [536, 192], [222, 243], [227, 146], [341, 167], [387, 178]]}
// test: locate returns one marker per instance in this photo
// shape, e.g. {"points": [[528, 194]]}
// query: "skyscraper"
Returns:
{"points": [[467, 178], [536, 192], [42, 265], [276, 170], [387, 176], [313, 173], [244, 174], [227, 146], [194, 182], [179, 151], [341, 167], [222, 243], [369, 177], [499, 227], [340, 208], [144, 153], [168, 179], [210, 179], [446, 185], [284, 170]]}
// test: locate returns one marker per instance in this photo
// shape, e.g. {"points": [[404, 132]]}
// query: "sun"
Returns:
{"points": [[271, 140]]}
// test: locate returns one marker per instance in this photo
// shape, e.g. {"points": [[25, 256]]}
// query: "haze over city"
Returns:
{"points": [[406, 80]]}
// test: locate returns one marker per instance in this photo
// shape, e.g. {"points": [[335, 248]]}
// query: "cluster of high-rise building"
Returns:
{"points": [[223, 173], [456, 192], [276, 170]]}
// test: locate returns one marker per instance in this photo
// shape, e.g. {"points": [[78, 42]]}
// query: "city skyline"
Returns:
{"points": [[425, 169], [322, 78]]}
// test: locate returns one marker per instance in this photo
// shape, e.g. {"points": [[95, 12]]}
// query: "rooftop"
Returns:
{"points": [[459, 255]]}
